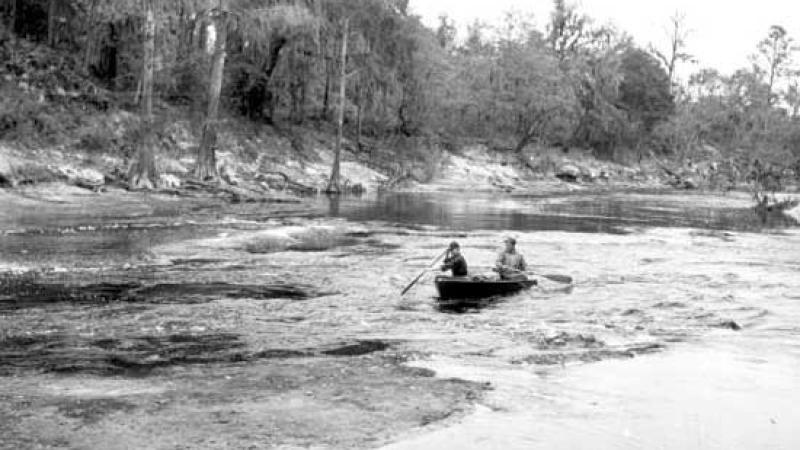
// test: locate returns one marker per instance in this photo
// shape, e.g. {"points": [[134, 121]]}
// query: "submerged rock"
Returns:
{"points": [[731, 325]]}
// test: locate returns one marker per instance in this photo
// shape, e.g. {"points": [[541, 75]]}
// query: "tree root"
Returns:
{"points": [[288, 183]]}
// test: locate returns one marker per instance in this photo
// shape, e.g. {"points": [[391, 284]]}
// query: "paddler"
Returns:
{"points": [[455, 261], [511, 264]]}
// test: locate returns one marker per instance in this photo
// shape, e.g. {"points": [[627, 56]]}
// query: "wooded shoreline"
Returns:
{"points": [[210, 81]]}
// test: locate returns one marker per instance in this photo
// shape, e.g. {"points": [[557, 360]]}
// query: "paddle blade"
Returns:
{"points": [[423, 273], [558, 278]]}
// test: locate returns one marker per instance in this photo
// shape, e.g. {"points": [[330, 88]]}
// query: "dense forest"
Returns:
{"points": [[374, 69]]}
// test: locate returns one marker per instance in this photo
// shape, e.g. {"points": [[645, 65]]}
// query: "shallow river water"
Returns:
{"points": [[681, 331], [706, 288]]}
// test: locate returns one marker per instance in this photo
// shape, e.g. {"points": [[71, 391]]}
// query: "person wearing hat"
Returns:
{"points": [[510, 264], [455, 261]]}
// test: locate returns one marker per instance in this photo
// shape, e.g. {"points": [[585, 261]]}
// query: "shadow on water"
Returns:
{"points": [[141, 355], [585, 213], [23, 291], [468, 305]]}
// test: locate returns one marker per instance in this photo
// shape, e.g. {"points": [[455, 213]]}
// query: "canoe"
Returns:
{"points": [[467, 288]]}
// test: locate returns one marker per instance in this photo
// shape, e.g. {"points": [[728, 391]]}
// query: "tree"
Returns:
{"points": [[645, 91], [89, 32], [52, 8], [590, 60], [206, 154], [446, 32], [476, 43], [143, 173], [534, 92], [261, 34], [595, 71], [334, 185], [12, 16], [774, 54], [515, 86], [792, 97], [706, 83], [676, 53], [567, 30]]}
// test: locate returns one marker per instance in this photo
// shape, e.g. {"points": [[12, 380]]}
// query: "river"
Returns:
{"points": [[723, 305], [680, 332]]}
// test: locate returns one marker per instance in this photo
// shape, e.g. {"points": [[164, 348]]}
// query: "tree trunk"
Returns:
{"points": [[143, 174], [359, 118], [771, 84], [260, 96], [206, 154], [303, 100], [334, 185], [184, 35], [51, 23], [269, 68], [526, 138], [536, 126], [326, 97], [12, 20], [89, 37]]}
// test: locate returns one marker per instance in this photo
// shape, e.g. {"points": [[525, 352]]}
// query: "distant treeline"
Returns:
{"points": [[575, 83]]}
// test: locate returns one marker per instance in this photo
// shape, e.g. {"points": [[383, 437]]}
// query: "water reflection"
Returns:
{"points": [[334, 202], [594, 213]]}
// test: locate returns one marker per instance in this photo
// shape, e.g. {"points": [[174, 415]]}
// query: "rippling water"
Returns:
{"points": [[721, 305], [704, 280], [681, 331], [589, 213]]}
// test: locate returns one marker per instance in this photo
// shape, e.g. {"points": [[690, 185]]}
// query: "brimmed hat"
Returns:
{"points": [[510, 239]]}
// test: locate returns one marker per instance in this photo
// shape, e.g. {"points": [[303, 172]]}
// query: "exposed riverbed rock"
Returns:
{"points": [[569, 172], [787, 204], [15, 170], [82, 177], [6, 171], [794, 212], [172, 166], [169, 181], [690, 184], [589, 174]]}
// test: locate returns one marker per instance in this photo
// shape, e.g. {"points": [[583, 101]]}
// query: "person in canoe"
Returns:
{"points": [[510, 263], [455, 261]]}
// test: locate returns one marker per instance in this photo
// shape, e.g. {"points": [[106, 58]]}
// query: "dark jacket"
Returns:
{"points": [[457, 264]]}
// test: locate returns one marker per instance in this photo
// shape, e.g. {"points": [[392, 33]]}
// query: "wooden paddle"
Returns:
{"points": [[557, 278], [423, 273], [552, 277]]}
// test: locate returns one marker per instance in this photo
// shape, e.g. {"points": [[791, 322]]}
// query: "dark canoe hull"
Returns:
{"points": [[455, 288]]}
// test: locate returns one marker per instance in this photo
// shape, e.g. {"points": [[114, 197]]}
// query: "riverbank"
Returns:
{"points": [[60, 125], [274, 171], [281, 169]]}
